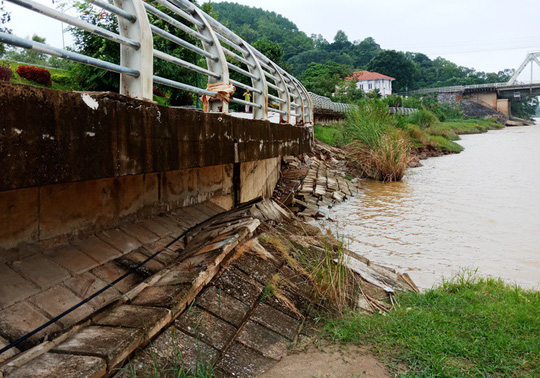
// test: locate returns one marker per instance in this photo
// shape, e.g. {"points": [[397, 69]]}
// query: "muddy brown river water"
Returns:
{"points": [[479, 209]]}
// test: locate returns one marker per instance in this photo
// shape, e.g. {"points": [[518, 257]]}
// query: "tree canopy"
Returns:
{"points": [[309, 56]]}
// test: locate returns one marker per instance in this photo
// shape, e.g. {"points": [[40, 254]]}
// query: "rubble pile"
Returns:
{"points": [[313, 182]]}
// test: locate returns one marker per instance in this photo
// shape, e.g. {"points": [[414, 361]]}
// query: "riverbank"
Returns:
{"points": [[465, 326], [436, 140]]}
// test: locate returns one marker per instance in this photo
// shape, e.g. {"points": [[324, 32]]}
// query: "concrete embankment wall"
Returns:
{"points": [[75, 163]]}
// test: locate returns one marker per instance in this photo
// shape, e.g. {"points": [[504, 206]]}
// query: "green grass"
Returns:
{"points": [[332, 135], [61, 80], [445, 144], [467, 126], [468, 326]]}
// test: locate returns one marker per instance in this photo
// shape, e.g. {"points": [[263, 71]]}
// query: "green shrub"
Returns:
{"points": [[332, 135], [379, 149], [445, 111], [64, 79], [423, 118]]}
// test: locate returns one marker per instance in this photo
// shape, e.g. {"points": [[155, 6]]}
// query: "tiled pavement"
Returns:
{"points": [[37, 285], [231, 326], [206, 306], [155, 299]]}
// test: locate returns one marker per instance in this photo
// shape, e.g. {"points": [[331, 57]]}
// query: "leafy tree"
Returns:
{"points": [[323, 78], [341, 37], [347, 91], [319, 41], [272, 50], [525, 107], [364, 51], [96, 79], [394, 63], [5, 17]]}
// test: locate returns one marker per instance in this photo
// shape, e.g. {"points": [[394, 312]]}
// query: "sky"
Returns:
{"points": [[488, 35]]}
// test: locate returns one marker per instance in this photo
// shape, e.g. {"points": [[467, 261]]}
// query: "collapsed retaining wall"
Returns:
{"points": [[76, 163]]}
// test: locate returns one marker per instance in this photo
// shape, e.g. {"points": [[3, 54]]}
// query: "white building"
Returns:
{"points": [[370, 81]]}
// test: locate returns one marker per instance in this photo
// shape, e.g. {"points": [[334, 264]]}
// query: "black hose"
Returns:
{"points": [[58, 317]]}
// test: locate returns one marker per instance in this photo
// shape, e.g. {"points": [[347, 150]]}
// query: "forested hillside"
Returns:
{"points": [[320, 63]]}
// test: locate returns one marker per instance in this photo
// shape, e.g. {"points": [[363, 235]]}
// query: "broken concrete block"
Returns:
{"points": [[113, 344], [62, 365], [263, 340]]}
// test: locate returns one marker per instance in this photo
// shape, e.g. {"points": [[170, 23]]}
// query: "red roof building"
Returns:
{"points": [[371, 81]]}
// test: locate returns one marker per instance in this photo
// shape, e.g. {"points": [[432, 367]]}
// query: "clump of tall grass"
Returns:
{"points": [[379, 149], [423, 118], [323, 267]]}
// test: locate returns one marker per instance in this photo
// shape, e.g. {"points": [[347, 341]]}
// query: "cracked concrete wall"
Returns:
{"points": [[77, 163]]}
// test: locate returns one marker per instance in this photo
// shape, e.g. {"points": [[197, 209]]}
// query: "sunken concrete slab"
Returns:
{"points": [[276, 320], [119, 240], [72, 259], [8, 353], [134, 258], [58, 299], [40, 270], [13, 287], [111, 271], [113, 344], [14, 326], [240, 286], [140, 233], [241, 361], [62, 365], [263, 340], [149, 319], [87, 284], [223, 305], [206, 327], [170, 349], [161, 296], [97, 249], [260, 269], [156, 227]]}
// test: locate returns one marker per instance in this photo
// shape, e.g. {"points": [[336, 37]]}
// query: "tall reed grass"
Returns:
{"points": [[379, 150]]}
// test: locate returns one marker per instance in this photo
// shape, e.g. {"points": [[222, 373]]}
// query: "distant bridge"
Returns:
{"points": [[505, 90], [495, 95]]}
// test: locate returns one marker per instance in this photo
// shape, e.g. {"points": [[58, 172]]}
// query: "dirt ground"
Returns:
{"points": [[328, 362]]}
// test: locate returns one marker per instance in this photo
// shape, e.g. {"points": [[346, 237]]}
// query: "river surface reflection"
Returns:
{"points": [[478, 209]]}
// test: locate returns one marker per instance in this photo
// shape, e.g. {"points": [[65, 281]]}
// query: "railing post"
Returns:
{"points": [[299, 102], [261, 85], [284, 95], [141, 59], [308, 105], [219, 65]]}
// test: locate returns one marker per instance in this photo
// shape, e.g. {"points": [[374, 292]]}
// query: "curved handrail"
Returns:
{"points": [[223, 50]]}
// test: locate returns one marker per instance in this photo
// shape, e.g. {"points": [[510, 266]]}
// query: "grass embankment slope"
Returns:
{"points": [[335, 135], [63, 80], [468, 326]]}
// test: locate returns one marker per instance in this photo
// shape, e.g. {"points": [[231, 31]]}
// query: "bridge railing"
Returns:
{"points": [[180, 23], [455, 88]]}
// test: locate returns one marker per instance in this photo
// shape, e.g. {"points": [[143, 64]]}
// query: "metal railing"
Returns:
{"points": [[463, 88], [223, 51]]}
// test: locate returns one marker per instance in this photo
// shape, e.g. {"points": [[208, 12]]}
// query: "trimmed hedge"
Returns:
{"points": [[35, 74]]}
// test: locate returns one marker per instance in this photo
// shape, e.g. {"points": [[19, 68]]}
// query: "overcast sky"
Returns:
{"points": [[488, 35]]}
